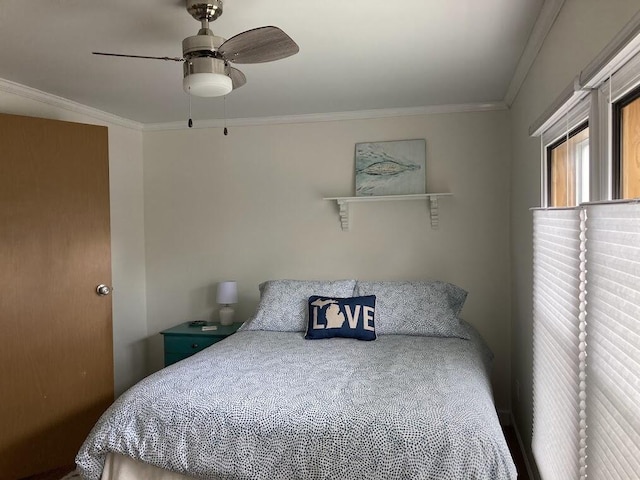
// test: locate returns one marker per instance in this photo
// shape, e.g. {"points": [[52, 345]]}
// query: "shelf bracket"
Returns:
{"points": [[343, 206], [433, 212]]}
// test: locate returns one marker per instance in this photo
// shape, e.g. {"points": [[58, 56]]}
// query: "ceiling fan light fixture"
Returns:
{"points": [[206, 77], [207, 84]]}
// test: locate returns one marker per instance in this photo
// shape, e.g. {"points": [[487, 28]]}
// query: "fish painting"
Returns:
{"points": [[390, 168]]}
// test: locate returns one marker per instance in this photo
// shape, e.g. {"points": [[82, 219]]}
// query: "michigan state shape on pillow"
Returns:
{"points": [[342, 317]]}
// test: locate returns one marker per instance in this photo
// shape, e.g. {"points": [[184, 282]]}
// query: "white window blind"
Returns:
{"points": [[556, 364], [613, 346], [587, 342]]}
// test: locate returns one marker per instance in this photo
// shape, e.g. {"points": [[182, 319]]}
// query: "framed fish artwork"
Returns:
{"points": [[391, 168]]}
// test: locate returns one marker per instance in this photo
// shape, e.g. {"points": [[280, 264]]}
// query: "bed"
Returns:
{"points": [[266, 403]]}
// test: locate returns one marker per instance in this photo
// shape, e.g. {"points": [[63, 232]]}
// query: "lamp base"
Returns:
{"points": [[226, 315]]}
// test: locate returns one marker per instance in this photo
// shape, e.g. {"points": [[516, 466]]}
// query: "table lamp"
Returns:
{"points": [[227, 295]]}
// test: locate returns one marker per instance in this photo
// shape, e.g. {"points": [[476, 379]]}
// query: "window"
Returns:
{"points": [[626, 146], [586, 272], [566, 147], [568, 169]]}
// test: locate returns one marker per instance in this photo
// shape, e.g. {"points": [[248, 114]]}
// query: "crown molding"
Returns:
{"points": [[548, 14], [329, 117], [60, 102]]}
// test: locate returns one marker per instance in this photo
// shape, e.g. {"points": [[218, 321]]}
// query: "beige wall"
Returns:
{"points": [[127, 234], [581, 30], [249, 207]]}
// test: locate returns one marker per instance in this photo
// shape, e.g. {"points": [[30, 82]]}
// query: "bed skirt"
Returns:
{"points": [[120, 467]]}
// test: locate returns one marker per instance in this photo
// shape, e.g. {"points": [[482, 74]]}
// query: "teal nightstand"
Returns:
{"points": [[183, 340]]}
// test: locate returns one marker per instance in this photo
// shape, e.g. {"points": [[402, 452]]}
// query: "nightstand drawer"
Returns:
{"points": [[185, 339], [171, 358], [182, 344]]}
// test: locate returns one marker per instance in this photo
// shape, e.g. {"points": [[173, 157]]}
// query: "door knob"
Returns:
{"points": [[103, 290]]}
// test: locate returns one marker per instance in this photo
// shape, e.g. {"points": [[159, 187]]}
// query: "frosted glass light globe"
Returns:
{"points": [[207, 84]]}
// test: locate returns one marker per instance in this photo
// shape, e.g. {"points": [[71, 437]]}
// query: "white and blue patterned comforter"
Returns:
{"points": [[271, 405]]}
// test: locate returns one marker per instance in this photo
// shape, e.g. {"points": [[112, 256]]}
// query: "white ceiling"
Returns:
{"points": [[354, 54]]}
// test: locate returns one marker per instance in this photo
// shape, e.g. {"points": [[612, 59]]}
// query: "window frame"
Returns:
{"points": [[610, 77], [616, 139], [583, 125], [556, 130]]}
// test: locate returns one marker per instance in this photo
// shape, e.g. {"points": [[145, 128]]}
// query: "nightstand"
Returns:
{"points": [[183, 340]]}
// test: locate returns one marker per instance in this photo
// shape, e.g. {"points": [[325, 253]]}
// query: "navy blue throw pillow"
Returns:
{"points": [[342, 317]]}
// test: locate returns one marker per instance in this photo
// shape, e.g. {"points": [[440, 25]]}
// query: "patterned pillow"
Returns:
{"points": [[428, 308], [341, 317], [283, 303]]}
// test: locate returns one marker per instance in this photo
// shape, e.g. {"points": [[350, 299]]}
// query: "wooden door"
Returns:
{"points": [[56, 345]]}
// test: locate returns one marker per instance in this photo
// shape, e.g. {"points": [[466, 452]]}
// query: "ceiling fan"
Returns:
{"points": [[206, 57]]}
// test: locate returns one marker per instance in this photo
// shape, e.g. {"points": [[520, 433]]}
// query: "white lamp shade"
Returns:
{"points": [[207, 84], [227, 293]]}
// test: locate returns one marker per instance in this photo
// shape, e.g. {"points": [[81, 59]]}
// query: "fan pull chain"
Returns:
{"points": [[190, 123], [226, 132]]}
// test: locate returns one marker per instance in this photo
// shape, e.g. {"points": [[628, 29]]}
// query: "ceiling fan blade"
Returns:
{"points": [[237, 77], [264, 44], [173, 59]]}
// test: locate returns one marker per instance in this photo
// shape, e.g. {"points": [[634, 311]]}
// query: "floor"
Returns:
{"points": [[66, 473], [57, 474], [516, 453]]}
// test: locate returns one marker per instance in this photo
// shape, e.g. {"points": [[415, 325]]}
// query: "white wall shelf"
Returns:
{"points": [[343, 204]]}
